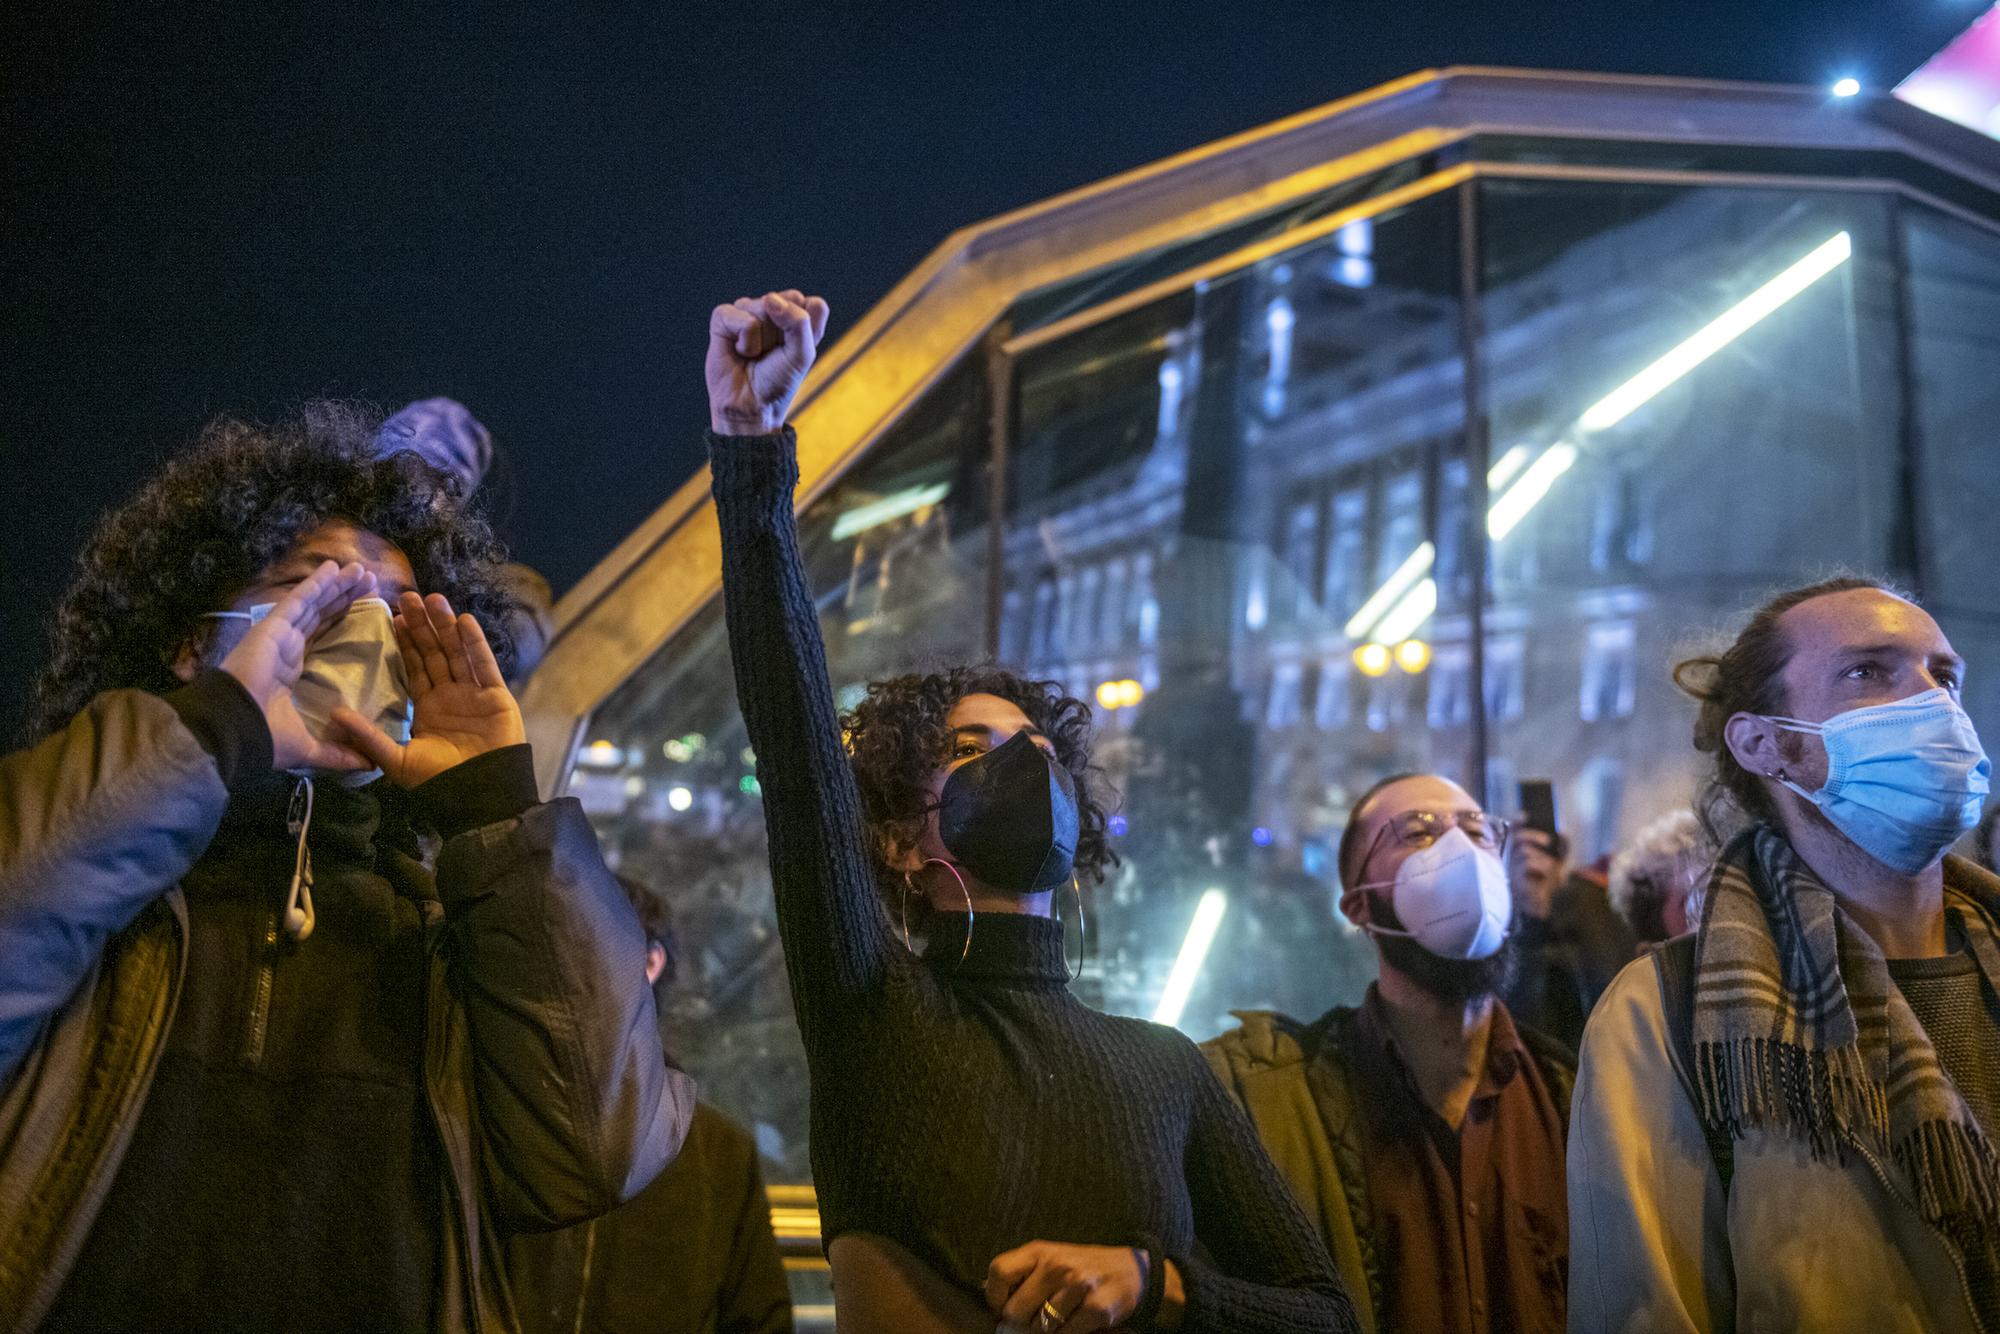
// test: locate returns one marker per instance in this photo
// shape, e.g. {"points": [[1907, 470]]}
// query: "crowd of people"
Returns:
{"points": [[313, 1014]]}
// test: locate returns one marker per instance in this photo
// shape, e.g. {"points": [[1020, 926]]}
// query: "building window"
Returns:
{"points": [[1012, 631], [1145, 607], [1063, 641], [1619, 537], [1346, 546], [1042, 629], [1503, 786], [1610, 676], [1388, 701], [1301, 540], [1506, 692], [1083, 629], [1451, 525], [1333, 705], [1111, 610], [1279, 321], [1402, 524], [1601, 794], [1451, 686], [1282, 710]]}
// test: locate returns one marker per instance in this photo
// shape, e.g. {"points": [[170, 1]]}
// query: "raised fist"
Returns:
{"points": [[759, 350]]}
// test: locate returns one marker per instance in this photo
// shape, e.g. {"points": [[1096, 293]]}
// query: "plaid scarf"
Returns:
{"points": [[1798, 1028]]}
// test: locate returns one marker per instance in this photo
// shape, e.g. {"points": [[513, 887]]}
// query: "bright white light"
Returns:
{"points": [[1525, 494], [863, 517], [1414, 567], [1508, 464], [1354, 271], [1403, 620], [1846, 87], [1724, 329], [1194, 950], [680, 798]]}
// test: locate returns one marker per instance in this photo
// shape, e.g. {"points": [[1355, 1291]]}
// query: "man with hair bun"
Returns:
{"points": [[1787, 1120]]}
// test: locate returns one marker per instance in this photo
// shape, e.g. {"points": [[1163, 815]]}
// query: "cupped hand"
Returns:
{"points": [[759, 350], [1089, 1287], [268, 659], [463, 707]]}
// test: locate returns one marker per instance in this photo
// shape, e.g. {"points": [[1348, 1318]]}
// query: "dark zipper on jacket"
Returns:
{"points": [[260, 995]]}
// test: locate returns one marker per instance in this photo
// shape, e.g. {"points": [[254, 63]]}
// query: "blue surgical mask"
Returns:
{"points": [[1903, 781]]}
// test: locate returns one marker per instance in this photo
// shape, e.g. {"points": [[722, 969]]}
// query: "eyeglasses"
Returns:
{"points": [[1419, 829]]}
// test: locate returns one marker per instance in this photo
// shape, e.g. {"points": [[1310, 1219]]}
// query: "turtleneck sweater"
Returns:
{"points": [[965, 1102]]}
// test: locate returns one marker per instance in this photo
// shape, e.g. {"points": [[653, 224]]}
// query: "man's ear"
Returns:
{"points": [[1754, 743], [1354, 906]]}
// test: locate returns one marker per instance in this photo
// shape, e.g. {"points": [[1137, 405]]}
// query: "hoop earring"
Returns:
{"points": [[970, 916], [903, 911], [1082, 935]]}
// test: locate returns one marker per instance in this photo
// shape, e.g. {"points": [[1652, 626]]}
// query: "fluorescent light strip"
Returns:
{"points": [[1414, 567], [894, 506], [1718, 333], [1524, 495], [1394, 604], [1509, 464], [1403, 620], [1194, 950]]}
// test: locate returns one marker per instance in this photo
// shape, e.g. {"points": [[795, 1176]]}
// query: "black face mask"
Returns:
{"points": [[1010, 817]]}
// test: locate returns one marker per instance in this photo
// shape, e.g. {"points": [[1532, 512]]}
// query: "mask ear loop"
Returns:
{"points": [[299, 915], [970, 916]]}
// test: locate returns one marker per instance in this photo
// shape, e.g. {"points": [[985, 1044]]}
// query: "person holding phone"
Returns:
{"points": [[986, 1147], [1571, 942], [1423, 1129]]}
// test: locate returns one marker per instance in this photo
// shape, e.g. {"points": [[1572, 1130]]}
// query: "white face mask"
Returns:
{"points": [[1451, 897], [353, 662]]}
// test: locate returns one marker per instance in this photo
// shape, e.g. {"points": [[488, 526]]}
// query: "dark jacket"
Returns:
{"points": [[694, 1254], [1568, 959], [1318, 1143], [545, 1080]]}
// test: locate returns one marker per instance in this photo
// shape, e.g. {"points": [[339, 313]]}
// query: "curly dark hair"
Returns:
{"points": [[224, 509], [1747, 677], [896, 739]]}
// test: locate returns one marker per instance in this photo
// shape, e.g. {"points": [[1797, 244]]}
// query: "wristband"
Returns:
{"points": [[1153, 1268]]}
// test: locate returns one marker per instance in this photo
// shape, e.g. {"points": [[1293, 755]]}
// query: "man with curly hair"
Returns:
{"points": [[285, 1044]]}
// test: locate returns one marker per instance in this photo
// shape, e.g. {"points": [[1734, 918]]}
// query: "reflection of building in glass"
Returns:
{"points": [[1250, 501]]}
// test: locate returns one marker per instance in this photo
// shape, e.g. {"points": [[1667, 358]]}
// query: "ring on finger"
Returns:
{"points": [[1050, 1319]]}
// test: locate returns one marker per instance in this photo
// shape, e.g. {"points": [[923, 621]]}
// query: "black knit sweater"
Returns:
{"points": [[964, 1109]]}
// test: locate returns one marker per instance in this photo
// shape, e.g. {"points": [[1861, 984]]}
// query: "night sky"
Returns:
{"points": [[532, 207]]}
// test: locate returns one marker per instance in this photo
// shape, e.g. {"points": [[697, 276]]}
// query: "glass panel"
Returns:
{"points": [[1954, 287], [1065, 299], [1695, 401], [1243, 464], [897, 555]]}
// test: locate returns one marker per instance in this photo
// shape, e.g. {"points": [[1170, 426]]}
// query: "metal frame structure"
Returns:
{"points": [[1451, 128]]}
